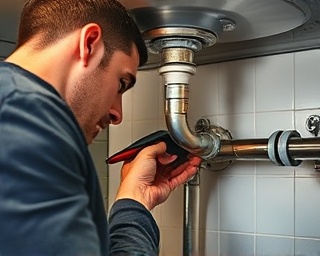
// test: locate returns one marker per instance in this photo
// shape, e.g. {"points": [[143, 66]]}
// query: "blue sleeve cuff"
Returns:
{"points": [[133, 229]]}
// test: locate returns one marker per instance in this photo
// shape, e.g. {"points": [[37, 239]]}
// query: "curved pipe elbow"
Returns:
{"points": [[176, 80], [205, 145]]}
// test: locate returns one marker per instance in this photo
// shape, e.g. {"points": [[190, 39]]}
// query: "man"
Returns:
{"points": [[59, 88]]}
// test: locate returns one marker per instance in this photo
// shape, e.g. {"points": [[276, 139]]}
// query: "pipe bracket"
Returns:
{"points": [[192, 38], [213, 162], [313, 124]]}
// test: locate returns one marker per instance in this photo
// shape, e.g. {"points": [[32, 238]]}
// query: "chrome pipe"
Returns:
{"points": [[257, 149], [176, 78], [191, 227], [304, 148], [250, 149]]}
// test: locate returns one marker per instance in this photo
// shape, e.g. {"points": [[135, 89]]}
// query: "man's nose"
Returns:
{"points": [[116, 111]]}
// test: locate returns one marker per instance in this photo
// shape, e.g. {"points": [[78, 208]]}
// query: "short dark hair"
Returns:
{"points": [[54, 19]]}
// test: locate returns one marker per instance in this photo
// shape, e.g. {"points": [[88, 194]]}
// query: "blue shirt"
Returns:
{"points": [[50, 199]]}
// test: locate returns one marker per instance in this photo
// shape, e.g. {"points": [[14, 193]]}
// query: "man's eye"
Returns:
{"points": [[122, 86]]}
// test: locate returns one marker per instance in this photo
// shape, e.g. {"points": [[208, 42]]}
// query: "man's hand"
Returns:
{"points": [[149, 179]]}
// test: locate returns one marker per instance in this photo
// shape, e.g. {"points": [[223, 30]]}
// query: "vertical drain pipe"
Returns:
{"points": [[176, 70], [176, 46], [191, 245]]}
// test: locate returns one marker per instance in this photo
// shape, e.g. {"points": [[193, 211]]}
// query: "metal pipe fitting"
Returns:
{"points": [[177, 46], [283, 148], [177, 55], [176, 80], [296, 150]]}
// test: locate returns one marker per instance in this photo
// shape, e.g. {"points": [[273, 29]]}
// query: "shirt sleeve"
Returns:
{"points": [[133, 230]]}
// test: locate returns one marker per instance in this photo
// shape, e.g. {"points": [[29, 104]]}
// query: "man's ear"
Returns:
{"points": [[91, 44]]}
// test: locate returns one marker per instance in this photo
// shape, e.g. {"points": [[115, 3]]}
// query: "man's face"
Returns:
{"points": [[96, 98]]}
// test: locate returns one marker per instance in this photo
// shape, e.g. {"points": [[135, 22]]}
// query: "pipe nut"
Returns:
{"points": [[176, 55], [179, 91], [176, 106]]}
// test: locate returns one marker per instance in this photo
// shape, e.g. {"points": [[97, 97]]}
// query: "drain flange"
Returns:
{"points": [[173, 37]]}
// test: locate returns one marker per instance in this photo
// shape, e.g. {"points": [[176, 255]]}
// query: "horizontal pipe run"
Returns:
{"points": [[244, 149], [304, 148], [257, 149]]}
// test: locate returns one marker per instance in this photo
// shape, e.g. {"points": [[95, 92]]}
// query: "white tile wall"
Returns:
{"points": [[145, 101], [274, 83], [209, 201], [204, 104], [282, 120], [307, 222], [99, 151], [275, 205], [251, 208], [209, 245], [307, 247], [237, 204], [172, 217], [268, 245], [236, 82], [241, 126], [171, 242], [307, 77], [127, 106], [236, 245]]}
